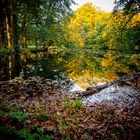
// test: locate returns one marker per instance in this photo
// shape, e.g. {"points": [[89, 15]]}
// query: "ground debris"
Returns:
{"points": [[63, 117]]}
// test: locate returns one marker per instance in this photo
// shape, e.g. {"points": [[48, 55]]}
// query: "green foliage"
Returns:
{"points": [[73, 106], [46, 137], [6, 131], [19, 116], [32, 129], [39, 134], [78, 104], [39, 130], [67, 138], [32, 22], [35, 129], [22, 134], [5, 108], [5, 51], [25, 135], [46, 22], [42, 116]]}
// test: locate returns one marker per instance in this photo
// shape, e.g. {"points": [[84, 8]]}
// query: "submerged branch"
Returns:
{"points": [[97, 89]]}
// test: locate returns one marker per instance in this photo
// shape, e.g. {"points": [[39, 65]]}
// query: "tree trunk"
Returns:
{"points": [[23, 32], [12, 23], [9, 67], [2, 36], [2, 23], [8, 33], [97, 89], [8, 24], [15, 27]]}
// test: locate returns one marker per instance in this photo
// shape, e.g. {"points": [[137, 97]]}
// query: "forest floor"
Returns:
{"points": [[35, 109]]}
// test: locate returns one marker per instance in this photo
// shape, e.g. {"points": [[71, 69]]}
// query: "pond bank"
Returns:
{"points": [[35, 109]]}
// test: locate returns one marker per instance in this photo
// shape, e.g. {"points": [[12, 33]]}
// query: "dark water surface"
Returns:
{"points": [[28, 64], [82, 67]]}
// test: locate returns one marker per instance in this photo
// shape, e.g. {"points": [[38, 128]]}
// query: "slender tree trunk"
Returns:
{"points": [[10, 67], [24, 64], [8, 24], [1, 41], [2, 23], [1, 46], [8, 33], [23, 32], [12, 24]]}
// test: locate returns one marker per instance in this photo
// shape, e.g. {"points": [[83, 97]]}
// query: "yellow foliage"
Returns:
{"points": [[135, 20], [82, 23]]}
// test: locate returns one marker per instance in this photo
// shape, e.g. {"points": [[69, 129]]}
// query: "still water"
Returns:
{"points": [[81, 67]]}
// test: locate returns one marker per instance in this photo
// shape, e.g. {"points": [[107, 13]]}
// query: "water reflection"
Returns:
{"points": [[41, 64], [88, 68], [17, 65], [83, 67]]}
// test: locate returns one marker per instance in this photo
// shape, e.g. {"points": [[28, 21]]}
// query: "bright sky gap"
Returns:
{"points": [[106, 5]]}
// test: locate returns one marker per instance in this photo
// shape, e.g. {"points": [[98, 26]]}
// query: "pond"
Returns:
{"points": [[73, 69]]}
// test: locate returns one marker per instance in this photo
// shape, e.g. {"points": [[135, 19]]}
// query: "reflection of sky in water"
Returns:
{"points": [[76, 87], [112, 93]]}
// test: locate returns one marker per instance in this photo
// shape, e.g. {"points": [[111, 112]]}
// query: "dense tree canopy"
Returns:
{"points": [[19, 18]]}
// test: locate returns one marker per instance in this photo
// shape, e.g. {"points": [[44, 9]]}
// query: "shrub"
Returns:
{"points": [[42, 116], [19, 116]]}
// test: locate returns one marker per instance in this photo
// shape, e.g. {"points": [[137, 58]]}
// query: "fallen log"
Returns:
{"points": [[93, 90]]}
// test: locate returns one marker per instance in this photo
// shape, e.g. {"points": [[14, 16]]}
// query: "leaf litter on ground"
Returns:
{"points": [[62, 115]]}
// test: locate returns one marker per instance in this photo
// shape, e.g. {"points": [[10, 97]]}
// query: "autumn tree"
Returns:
{"points": [[82, 24], [109, 49]]}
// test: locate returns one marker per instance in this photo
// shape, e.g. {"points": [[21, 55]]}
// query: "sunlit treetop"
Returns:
{"points": [[86, 14]]}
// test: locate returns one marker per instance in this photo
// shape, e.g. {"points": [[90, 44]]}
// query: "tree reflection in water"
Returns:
{"points": [[82, 67]]}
